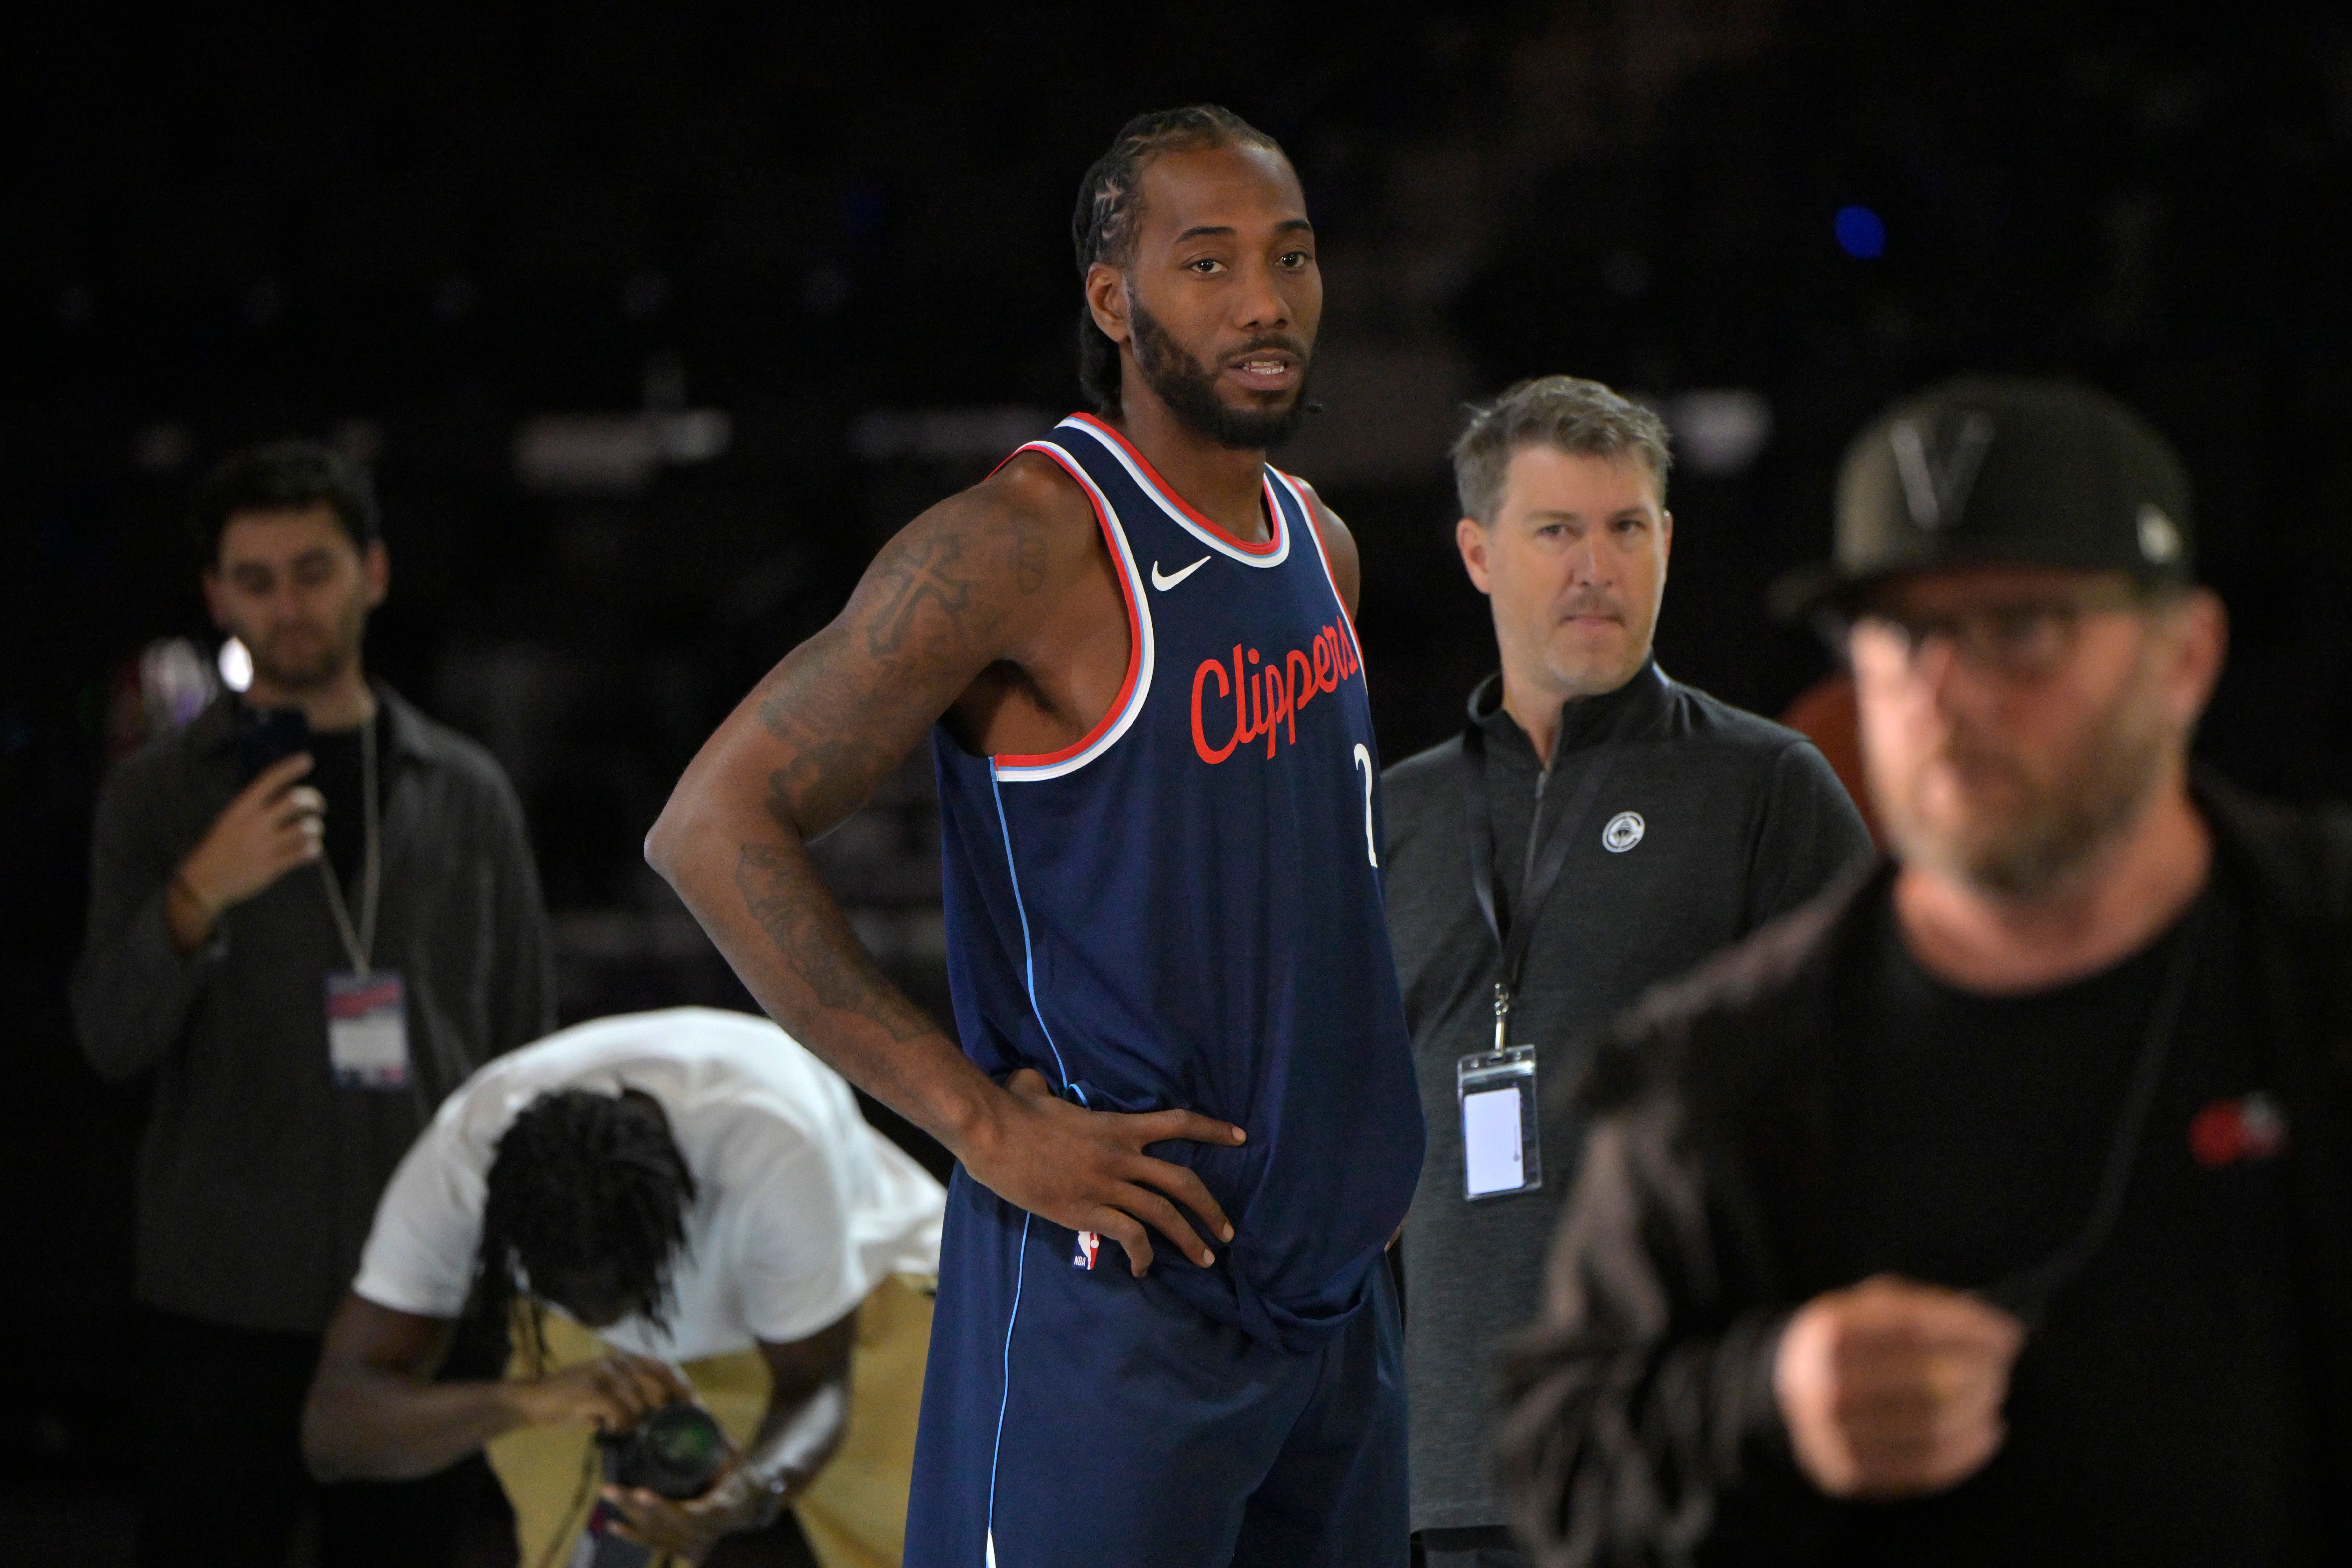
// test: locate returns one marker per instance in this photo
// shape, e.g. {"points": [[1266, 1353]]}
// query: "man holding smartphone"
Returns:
{"points": [[313, 912]]}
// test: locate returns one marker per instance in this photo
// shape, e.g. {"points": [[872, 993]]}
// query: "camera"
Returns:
{"points": [[676, 1452]]}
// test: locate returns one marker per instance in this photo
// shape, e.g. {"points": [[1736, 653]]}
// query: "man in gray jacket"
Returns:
{"points": [[1597, 828], [312, 914]]}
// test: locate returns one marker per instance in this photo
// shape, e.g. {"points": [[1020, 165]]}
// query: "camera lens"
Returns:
{"points": [[676, 1452], [682, 1437]]}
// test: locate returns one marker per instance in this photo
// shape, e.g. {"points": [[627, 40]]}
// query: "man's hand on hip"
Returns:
{"points": [[1892, 1388], [1087, 1169], [273, 825]]}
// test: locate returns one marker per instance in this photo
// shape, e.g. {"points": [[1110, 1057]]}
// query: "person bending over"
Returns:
{"points": [[671, 1205]]}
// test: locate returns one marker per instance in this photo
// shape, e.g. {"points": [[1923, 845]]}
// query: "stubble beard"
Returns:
{"points": [[339, 649], [2058, 828], [1189, 389], [1592, 673]]}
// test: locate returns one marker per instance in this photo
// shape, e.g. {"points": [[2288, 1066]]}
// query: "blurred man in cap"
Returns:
{"points": [[1994, 1207]]}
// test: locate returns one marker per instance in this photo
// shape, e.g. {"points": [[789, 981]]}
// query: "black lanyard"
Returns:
{"points": [[2027, 1292], [1514, 931]]}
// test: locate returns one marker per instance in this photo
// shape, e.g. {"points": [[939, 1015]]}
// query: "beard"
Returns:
{"points": [[2038, 832], [1190, 388], [304, 656]]}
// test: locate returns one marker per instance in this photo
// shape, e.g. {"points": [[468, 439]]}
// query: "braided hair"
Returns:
{"points": [[582, 1183], [1110, 213]]}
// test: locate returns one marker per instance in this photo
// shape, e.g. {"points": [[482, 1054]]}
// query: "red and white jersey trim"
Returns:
{"points": [[1304, 493], [1012, 769], [1272, 552]]}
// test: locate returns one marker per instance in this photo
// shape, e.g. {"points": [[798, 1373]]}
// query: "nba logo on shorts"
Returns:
{"points": [[1089, 1243]]}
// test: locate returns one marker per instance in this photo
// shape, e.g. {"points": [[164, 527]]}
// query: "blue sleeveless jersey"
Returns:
{"points": [[1183, 911]]}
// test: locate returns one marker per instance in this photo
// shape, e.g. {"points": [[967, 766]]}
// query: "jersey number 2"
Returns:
{"points": [[1364, 760]]}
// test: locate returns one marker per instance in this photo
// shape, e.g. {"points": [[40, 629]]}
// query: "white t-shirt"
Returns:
{"points": [[801, 1208]]}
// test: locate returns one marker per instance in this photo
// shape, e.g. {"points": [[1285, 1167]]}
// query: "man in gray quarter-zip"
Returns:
{"points": [[1598, 828], [312, 914]]}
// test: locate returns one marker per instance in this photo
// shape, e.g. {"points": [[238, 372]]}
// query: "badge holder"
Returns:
{"points": [[367, 1030], [1502, 1139], [1502, 1151]]}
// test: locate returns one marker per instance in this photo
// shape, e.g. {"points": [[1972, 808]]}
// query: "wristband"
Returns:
{"points": [[763, 1494], [187, 892]]}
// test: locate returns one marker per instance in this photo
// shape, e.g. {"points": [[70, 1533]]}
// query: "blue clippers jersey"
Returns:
{"points": [[1183, 911]]}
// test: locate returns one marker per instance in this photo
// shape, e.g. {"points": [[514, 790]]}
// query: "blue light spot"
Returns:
{"points": [[1861, 234]]}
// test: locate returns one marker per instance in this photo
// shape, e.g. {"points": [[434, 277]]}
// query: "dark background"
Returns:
{"points": [[780, 277]]}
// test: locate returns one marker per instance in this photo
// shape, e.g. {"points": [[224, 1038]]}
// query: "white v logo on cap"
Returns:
{"points": [[1164, 583], [1935, 486]]}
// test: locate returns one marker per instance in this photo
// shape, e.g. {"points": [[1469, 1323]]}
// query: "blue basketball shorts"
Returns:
{"points": [[1077, 1417]]}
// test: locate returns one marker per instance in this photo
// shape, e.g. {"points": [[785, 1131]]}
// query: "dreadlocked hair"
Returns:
{"points": [[580, 1183], [1110, 213]]}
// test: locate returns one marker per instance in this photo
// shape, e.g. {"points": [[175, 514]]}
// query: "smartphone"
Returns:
{"points": [[269, 735]]}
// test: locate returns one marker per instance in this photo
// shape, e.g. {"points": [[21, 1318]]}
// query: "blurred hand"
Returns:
{"points": [[1087, 1169], [690, 1530], [273, 825], [609, 1395], [1892, 1388]]}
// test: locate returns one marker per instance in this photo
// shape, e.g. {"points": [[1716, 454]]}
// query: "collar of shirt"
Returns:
{"points": [[1584, 722]]}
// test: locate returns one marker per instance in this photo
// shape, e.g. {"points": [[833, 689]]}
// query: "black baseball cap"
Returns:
{"points": [[2007, 470]]}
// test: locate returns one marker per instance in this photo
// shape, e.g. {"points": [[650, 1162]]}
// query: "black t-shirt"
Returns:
{"points": [[336, 773], [2160, 1412]]}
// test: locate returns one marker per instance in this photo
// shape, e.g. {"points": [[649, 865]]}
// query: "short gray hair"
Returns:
{"points": [[1583, 418]]}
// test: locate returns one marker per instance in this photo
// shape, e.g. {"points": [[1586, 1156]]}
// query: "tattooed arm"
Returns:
{"points": [[993, 610]]}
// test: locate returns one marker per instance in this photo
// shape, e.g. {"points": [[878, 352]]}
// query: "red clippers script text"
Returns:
{"points": [[1268, 695]]}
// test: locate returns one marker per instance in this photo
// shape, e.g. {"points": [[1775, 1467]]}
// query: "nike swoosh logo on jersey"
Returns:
{"points": [[1164, 583]]}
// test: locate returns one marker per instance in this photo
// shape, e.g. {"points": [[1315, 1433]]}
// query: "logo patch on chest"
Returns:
{"points": [[1624, 831], [1163, 581], [2230, 1131]]}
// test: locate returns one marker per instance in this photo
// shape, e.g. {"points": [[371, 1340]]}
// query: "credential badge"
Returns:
{"points": [[1624, 831]]}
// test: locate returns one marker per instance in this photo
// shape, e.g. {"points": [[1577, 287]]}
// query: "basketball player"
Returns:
{"points": [[1181, 1032]]}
